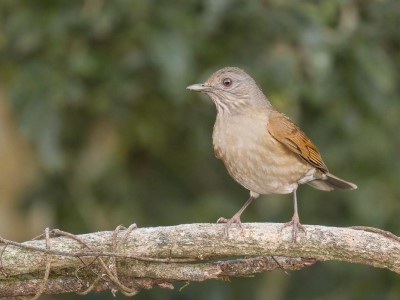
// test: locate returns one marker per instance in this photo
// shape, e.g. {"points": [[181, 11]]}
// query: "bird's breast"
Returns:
{"points": [[254, 158]]}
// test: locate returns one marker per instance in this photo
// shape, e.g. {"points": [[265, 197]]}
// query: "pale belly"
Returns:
{"points": [[258, 162]]}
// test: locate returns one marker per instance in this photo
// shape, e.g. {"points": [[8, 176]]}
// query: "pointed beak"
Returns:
{"points": [[199, 87]]}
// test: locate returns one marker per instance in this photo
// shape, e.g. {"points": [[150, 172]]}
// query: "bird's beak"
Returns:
{"points": [[199, 87]]}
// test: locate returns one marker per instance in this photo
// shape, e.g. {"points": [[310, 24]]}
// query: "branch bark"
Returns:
{"points": [[141, 258]]}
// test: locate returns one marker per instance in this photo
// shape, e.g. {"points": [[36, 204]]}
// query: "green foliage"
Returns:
{"points": [[98, 89]]}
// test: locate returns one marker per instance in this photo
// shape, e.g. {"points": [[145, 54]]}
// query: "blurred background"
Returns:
{"points": [[97, 128]]}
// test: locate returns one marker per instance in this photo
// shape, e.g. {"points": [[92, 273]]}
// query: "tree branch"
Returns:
{"points": [[132, 259]]}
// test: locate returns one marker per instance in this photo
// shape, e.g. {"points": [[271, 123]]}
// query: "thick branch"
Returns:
{"points": [[156, 256]]}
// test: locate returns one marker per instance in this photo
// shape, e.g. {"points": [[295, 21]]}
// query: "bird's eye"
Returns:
{"points": [[227, 82]]}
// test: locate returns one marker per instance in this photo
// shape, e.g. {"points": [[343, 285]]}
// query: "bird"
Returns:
{"points": [[262, 149]]}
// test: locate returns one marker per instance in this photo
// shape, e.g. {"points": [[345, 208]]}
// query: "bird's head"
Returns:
{"points": [[232, 90]]}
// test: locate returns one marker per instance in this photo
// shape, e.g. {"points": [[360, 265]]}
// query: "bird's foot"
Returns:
{"points": [[234, 220], [296, 226]]}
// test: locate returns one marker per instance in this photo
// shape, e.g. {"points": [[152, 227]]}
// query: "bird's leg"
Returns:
{"points": [[295, 222], [235, 218]]}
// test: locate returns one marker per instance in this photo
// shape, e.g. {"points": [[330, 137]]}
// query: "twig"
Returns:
{"points": [[47, 270], [378, 231]]}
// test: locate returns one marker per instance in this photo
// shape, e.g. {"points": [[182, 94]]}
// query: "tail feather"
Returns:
{"points": [[332, 183]]}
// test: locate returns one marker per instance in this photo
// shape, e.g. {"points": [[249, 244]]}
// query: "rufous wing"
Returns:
{"points": [[289, 134]]}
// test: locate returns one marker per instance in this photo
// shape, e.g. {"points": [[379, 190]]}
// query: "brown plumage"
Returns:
{"points": [[262, 149], [289, 134]]}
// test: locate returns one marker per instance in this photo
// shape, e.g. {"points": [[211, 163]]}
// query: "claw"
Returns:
{"points": [[296, 226], [236, 217], [229, 222]]}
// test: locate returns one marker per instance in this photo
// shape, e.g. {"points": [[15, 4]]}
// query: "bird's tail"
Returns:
{"points": [[332, 183]]}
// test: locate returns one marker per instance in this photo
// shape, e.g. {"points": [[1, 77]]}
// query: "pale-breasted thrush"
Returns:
{"points": [[261, 148]]}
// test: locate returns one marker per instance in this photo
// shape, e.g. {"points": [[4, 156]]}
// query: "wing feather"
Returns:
{"points": [[289, 134]]}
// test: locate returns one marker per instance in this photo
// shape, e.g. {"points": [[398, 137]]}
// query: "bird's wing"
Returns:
{"points": [[289, 134]]}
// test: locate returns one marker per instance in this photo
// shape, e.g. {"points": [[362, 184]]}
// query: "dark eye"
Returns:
{"points": [[227, 82]]}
